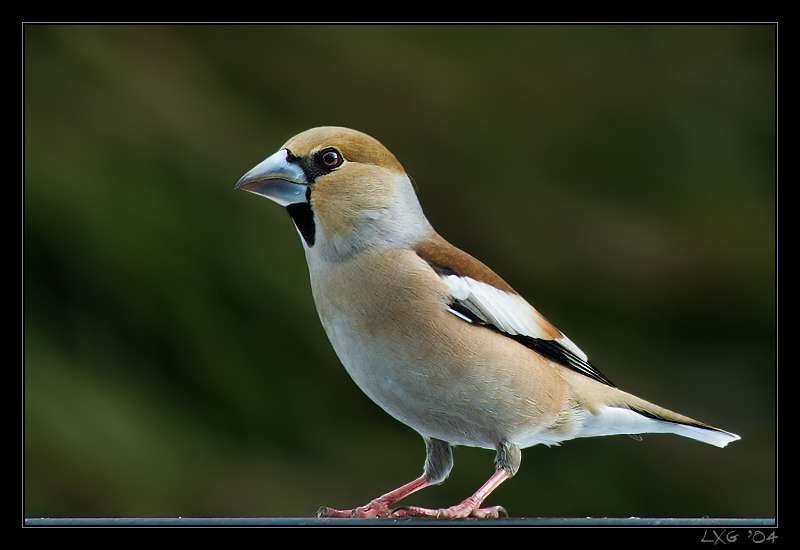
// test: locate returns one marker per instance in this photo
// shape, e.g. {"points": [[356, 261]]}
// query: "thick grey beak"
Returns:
{"points": [[277, 179]]}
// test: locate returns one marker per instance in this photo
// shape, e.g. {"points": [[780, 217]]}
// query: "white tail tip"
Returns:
{"points": [[617, 420]]}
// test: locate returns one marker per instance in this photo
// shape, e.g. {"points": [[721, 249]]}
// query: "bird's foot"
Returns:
{"points": [[378, 507], [464, 510], [373, 509], [378, 510], [468, 508]]}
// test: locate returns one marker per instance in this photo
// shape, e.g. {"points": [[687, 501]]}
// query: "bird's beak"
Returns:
{"points": [[277, 179]]}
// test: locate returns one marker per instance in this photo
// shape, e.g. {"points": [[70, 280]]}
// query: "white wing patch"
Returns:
{"points": [[508, 312]]}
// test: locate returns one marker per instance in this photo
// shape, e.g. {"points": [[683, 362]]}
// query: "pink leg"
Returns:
{"points": [[379, 507], [470, 507]]}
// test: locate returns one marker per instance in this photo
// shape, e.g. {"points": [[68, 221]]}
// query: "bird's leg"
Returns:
{"points": [[469, 507], [438, 463], [508, 459]]}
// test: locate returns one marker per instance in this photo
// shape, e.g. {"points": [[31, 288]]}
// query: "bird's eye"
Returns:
{"points": [[330, 158]]}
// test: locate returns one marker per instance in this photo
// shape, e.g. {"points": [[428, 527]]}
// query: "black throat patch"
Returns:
{"points": [[303, 219]]}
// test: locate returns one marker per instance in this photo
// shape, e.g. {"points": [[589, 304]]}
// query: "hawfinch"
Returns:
{"points": [[429, 333]]}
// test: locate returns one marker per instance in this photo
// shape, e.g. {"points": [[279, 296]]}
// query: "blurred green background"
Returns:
{"points": [[622, 178]]}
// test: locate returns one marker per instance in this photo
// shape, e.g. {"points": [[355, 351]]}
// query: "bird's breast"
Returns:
{"points": [[387, 320]]}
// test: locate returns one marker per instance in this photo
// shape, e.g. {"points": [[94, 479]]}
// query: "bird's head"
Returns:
{"points": [[344, 191]]}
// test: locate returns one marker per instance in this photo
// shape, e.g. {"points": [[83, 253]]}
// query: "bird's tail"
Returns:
{"points": [[632, 415], [664, 420]]}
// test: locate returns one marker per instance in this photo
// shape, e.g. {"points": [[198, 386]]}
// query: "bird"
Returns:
{"points": [[432, 335]]}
